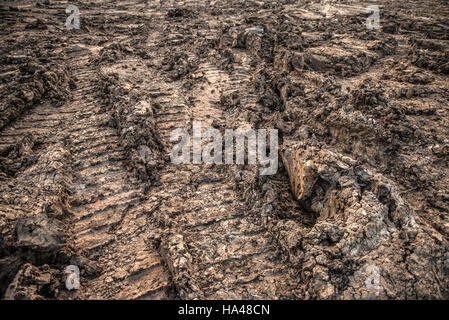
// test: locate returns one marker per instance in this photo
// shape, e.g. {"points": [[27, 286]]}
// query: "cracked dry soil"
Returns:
{"points": [[86, 179]]}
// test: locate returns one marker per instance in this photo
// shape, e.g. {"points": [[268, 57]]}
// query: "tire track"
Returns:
{"points": [[108, 229], [109, 224], [215, 247]]}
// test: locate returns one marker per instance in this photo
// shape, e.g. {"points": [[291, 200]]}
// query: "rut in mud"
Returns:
{"points": [[88, 114], [105, 218], [108, 214]]}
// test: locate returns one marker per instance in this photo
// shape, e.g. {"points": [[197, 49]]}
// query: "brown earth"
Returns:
{"points": [[86, 179]]}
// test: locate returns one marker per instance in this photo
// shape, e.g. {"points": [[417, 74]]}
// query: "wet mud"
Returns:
{"points": [[86, 117]]}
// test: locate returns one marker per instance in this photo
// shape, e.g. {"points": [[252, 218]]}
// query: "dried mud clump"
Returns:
{"points": [[39, 234], [33, 219], [167, 237], [178, 65], [435, 61], [33, 83], [257, 40], [34, 283], [272, 89], [17, 156], [30, 74], [113, 52], [180, 13], [175, 251], [133, 117], [361, 224]]}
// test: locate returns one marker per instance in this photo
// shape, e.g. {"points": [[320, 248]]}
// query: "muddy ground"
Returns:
{"points": [[358, 208]]}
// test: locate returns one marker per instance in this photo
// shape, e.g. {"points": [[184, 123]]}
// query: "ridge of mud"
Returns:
{"points": [[29, 72]]}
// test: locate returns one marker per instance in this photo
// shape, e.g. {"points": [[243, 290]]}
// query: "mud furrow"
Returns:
{"points": [[212, 243], [108, 219]]}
